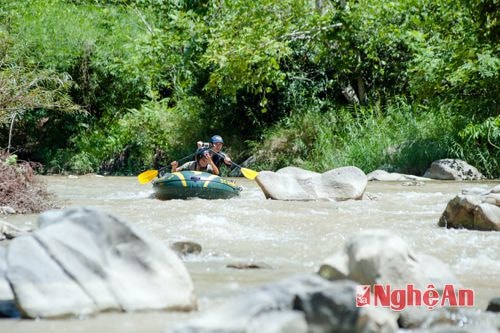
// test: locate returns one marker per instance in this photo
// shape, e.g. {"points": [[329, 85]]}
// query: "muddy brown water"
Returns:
{"points": [[288, 237]]}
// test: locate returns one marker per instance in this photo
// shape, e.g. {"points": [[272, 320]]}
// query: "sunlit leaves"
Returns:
{"points": [[23, 89], [248, 42]]}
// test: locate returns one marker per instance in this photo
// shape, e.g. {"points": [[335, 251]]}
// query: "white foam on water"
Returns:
{"points": [[128, 195], [216, 227], [486, 263], [206, 256]]}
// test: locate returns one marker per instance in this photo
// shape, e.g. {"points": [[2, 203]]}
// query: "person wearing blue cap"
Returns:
{"points": [[215, 147], [202, 162]]}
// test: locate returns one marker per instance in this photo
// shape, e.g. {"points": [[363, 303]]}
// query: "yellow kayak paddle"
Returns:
{"points": [[147, 176], [248, 173]]}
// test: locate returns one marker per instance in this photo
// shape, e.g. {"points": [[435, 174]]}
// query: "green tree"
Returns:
{"points": [[23, 90]]}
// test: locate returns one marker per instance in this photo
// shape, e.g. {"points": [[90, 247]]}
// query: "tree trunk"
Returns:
{"points": [[361, 90], [10, 131]]}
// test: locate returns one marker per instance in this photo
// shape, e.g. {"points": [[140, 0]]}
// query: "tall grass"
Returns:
{"points": [[479, 141], [399, 138]]}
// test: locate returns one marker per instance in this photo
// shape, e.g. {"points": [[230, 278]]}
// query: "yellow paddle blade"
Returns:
{"points": [[147, 176], [248, 173]]}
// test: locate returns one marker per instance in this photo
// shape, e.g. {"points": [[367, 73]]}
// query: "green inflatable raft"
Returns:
{"points": [[194, 184]]}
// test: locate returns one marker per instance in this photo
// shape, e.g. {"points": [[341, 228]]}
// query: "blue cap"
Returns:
{"points": [[216, 138]]}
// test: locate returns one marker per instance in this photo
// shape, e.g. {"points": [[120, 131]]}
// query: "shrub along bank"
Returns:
{"points": [[405, 139], [20, 189]]}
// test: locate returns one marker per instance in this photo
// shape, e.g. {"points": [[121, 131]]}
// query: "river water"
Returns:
{"points": [[285, 237]]}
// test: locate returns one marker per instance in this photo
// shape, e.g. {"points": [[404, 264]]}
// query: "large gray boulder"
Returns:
{"points": [[302, 303], [379, 257], [81, 261], [452, 169], [477, 211], [283, 187], [293, 183]]}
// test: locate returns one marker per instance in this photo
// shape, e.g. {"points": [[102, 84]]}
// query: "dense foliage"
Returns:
{"points": [[317, 84]]}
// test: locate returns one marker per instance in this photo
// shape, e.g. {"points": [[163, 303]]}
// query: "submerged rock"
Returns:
{"points": [[184, 248], [383, 175], [249, 265], [494, 305]]}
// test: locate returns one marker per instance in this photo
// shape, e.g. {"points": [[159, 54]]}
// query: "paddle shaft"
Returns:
{"points": [[247, 173], [182, 159], [213, 151], [239, 166]]}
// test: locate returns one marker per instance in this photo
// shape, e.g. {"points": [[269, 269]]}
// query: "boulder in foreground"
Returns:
{"points": [[379, 257], [299, 304], [81, 261]]}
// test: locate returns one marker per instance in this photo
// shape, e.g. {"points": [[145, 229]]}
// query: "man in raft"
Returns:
{"points": [[202, 162]]}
